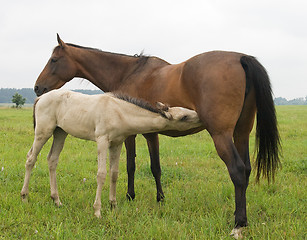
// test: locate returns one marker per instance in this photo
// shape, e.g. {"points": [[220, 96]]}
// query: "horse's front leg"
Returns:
{"points": [[153, 147], [115, 150], [130, 150], [102, 145], [59, 137]]}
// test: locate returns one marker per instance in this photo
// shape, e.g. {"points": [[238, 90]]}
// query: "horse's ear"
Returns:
{"points": [[162, 106], [61, 43]]}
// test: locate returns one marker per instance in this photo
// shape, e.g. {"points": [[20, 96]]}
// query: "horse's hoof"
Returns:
{"points": [[237, 233], [130, 197], [160, 197]]}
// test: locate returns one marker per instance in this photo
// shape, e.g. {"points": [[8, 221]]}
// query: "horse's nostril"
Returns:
{"points": [[35, 88]]}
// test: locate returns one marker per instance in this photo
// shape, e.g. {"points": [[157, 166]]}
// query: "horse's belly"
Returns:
{"points": [[174, 133]]}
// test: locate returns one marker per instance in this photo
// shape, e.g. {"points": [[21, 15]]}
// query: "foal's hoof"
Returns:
{"points": [[130, 197], [56, 201], [98, 214], [58, 204], [237, 233], [113, 205], [24, 198]]}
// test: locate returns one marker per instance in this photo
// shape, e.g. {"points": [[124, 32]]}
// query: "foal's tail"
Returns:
{"points": [[267, 136], [34, 119]]}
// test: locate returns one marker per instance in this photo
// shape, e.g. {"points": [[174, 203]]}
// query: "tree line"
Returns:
{"points": [[6, 95], [295, 101]]}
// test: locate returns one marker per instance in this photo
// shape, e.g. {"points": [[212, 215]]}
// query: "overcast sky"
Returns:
{"points": [[273, 31]]}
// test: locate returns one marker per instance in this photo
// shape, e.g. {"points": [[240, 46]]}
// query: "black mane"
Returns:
{"points": [[140, 103], [88, 48], [141, 55]]}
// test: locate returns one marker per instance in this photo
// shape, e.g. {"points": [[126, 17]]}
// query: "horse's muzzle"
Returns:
{"points": [[39, 91]]}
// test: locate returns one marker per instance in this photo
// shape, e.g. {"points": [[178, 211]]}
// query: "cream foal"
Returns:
{"points": [[105, 119]]}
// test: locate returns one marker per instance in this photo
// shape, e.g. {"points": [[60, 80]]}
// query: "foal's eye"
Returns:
{"points": [[184, 118]]}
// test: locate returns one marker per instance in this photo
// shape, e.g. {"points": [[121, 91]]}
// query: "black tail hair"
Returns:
{"points": [[268, 148]]}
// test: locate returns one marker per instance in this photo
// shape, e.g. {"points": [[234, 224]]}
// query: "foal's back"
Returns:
{"points": [[77, 114], [91, 116]]}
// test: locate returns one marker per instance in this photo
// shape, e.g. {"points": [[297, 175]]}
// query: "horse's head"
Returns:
{"points": [[59, 69], [181, 119]]}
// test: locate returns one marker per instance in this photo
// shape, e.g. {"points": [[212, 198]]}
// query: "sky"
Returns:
{"points": [[273, 31]]}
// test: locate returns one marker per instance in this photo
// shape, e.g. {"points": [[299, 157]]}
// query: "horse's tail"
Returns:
{"points": [[267, 136], [34, 106]]}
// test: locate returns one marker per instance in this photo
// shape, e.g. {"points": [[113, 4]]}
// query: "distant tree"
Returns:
{"points": [[280, 101], [18, 100], [297, 101]]}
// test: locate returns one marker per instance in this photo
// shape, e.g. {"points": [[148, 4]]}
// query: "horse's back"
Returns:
{"points": [[216, 83], [212, 83]]}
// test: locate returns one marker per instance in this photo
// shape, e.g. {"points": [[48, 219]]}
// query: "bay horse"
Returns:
{"points": [[108, 120], [226, 89]]}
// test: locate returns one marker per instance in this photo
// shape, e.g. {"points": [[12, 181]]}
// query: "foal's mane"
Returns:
{"points": [[140, 103]]}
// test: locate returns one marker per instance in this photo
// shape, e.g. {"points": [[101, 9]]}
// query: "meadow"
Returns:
{"points": [[199, 200]]}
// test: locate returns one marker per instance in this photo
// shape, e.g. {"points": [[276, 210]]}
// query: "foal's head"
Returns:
{"points": [[59, 69], [180, 118]]}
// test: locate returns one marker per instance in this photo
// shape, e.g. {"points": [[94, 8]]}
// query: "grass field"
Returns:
{"points": [[199, 194]]}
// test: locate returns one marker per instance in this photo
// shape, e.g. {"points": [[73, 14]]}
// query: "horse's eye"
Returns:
{"points": [[53, 60]]}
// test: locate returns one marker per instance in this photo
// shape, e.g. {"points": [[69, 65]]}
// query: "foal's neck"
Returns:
{"points": [[144, 121]]}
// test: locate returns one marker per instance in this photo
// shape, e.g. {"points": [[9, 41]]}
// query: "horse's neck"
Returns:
{"points": [[108, 71], [103, 69]]}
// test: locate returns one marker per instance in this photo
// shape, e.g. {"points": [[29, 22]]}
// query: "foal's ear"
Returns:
{"points": [[61, 43], [168, 115], [162, 106]]}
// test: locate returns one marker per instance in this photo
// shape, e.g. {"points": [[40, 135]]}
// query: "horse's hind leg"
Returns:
{"points": [[242, 131], [59, 137], [39, 141], [130, 150], [242, 146], [236, 168], [153, 147]]}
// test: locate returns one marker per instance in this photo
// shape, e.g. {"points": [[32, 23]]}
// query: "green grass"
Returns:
{"points": [[199, 194]]}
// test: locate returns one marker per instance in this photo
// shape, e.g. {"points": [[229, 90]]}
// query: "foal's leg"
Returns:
{"points": [[39, 141], [114, 164], [59, 137], [130, 150], [153, 147], [103, 145]]}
